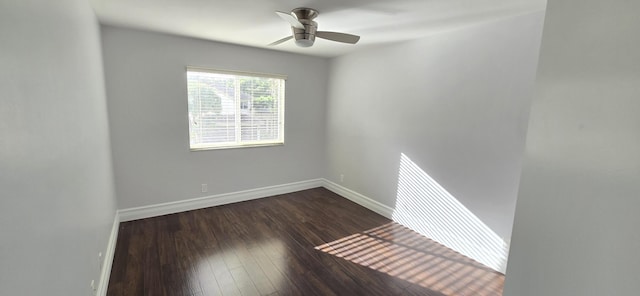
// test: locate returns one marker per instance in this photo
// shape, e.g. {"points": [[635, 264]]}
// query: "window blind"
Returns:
{"points": [[234, 110]]}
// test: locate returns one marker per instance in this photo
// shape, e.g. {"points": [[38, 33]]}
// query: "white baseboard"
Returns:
{"points": [[360, 199], [105, 273], [130, 214], [214, 200], [222, 199]]}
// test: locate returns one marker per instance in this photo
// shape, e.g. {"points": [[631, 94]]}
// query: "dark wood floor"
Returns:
{"points": [[311, 242]]}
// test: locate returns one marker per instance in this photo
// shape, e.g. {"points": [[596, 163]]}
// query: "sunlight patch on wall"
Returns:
{"points": [[427, 208]]}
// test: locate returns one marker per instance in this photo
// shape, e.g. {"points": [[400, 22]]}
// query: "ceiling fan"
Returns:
{"points": [[305, 30]]}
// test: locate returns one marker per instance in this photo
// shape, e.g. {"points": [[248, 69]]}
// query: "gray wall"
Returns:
{"points": [[146, 86], [455, 103], [57, 200], [576, 226]]}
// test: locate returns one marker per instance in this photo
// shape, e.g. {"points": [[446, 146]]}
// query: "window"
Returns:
{"points": [[234, 109]]}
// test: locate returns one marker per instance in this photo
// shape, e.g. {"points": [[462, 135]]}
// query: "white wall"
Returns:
{"points": [[576, 223], [146, 86], [57, 200], [455, 103]]}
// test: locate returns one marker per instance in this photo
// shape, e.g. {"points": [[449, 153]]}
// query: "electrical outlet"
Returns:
{"points": [[93, 287], [204, 188], [341, 178]]}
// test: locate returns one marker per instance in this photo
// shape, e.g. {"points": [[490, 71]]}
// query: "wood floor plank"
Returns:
{"points": [[311, 242]]}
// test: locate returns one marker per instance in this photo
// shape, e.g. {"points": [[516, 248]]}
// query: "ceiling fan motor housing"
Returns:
{"points": [[305, 37]]}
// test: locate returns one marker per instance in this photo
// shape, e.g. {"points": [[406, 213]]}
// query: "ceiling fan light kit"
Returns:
{"points": [[305, 30]]}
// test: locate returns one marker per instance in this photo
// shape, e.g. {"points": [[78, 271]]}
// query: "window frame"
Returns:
{"points": [[239, 143]]}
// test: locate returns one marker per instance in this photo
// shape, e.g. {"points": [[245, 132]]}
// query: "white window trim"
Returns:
{"points": [[239, 73], [240, 144]]}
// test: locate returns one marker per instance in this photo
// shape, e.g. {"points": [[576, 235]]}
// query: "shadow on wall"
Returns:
{"points": [[427, 208]]}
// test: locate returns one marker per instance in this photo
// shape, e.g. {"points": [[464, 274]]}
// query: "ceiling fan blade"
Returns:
{"points": [[281, 40], [291, 19], [340, 37]]}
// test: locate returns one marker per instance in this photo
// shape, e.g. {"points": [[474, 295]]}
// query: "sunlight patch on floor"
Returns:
{"points": [[402, 253]]}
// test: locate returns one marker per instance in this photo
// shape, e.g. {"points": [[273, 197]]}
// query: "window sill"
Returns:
{"points": [[206, 148]]}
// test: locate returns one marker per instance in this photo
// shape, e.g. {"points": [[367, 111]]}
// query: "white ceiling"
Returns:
{"points": [[254, 23]]}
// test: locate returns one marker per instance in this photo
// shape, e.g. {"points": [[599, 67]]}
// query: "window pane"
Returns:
{"points": [[259, 116]]}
